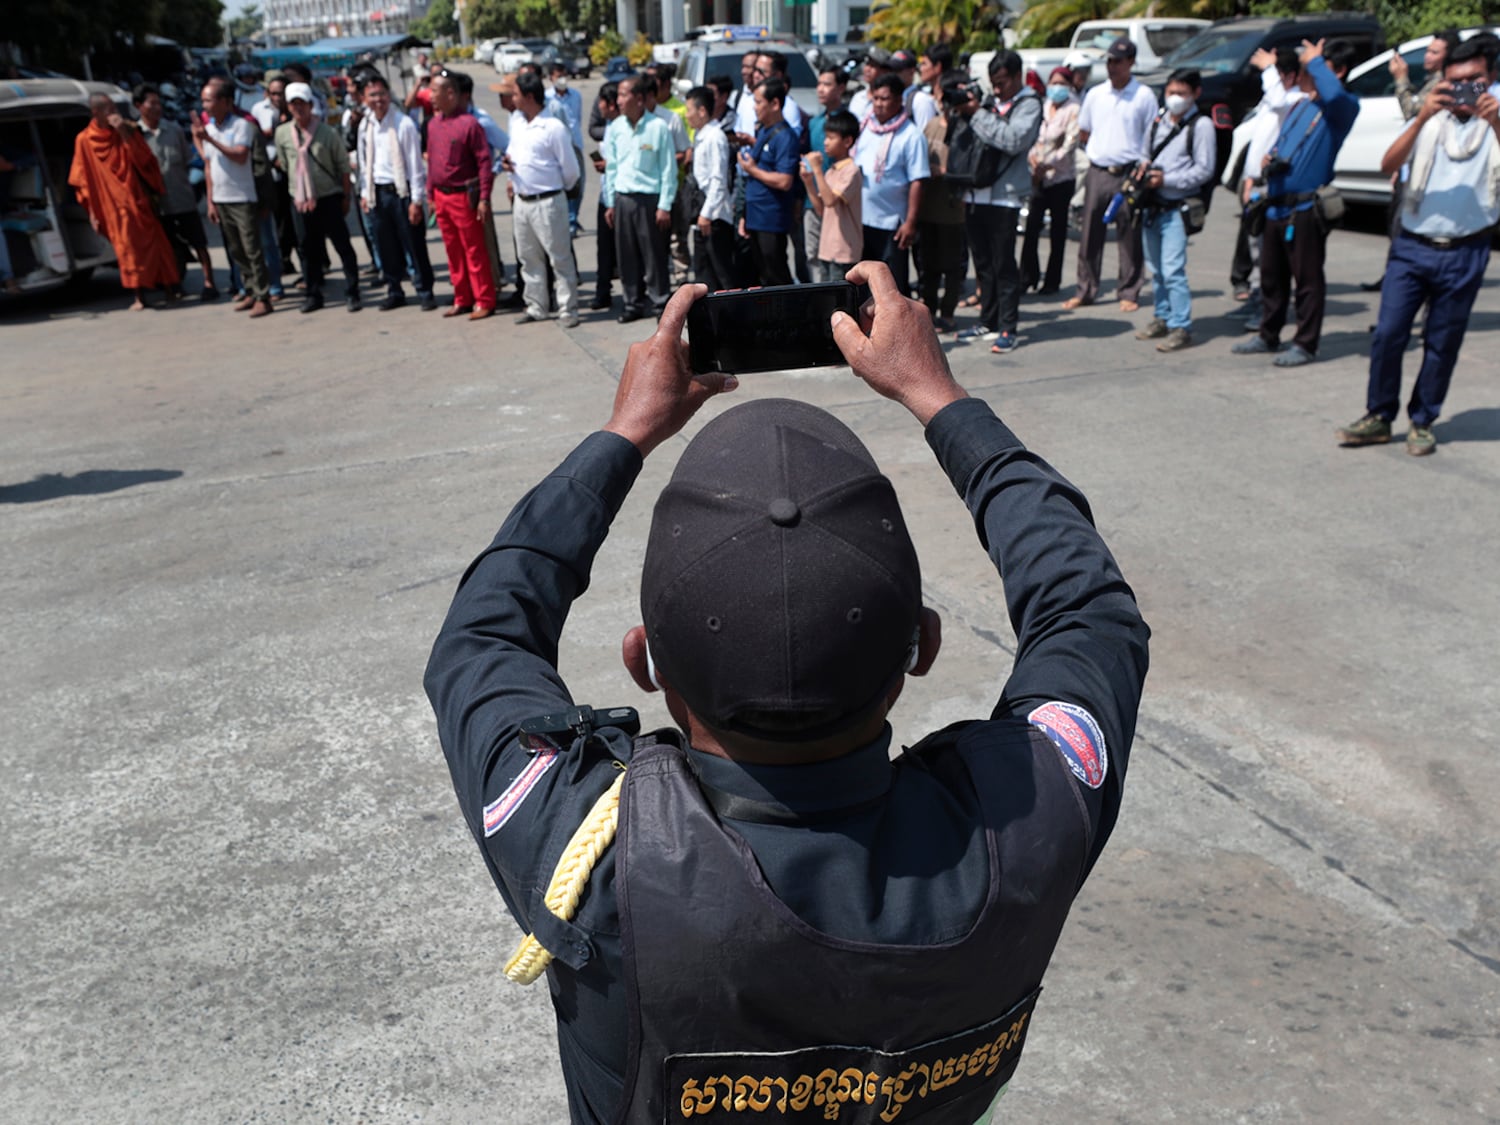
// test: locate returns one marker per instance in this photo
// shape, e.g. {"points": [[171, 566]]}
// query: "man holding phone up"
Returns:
{"points": [[1448, 216], [764, 892], [1294, 244]]}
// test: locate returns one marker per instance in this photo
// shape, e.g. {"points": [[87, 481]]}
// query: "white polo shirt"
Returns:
{"points": [[1118, 122], [232, 183]]}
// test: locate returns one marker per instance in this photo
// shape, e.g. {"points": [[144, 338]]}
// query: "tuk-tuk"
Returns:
{"points": [[47, 233]]}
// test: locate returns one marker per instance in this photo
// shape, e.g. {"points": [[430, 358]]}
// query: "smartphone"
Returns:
{"points": [[1467, 93], [596, 155], [778, 328]]}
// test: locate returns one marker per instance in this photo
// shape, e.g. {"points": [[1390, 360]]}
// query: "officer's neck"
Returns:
{"points": [[761, 752]]}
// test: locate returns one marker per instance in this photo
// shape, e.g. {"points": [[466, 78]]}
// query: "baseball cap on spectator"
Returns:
{"points": [[1121, 48], [274, 75], [903, 60], [1078, 60], [300, 92], [780, 591], [878, 56]]}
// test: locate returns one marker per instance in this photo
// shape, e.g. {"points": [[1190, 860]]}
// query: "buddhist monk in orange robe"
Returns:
{"points": [[113, 169]]}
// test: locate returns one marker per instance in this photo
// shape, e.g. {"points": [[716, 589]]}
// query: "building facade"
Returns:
{"points": [[668, 21], [289, 22]]}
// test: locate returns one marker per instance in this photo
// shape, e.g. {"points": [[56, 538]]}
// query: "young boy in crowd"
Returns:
{"points": [[836, 193], [709, 194]]}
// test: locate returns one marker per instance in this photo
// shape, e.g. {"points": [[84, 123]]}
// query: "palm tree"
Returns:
{"points": [[1197, 9], [1051, 22], [916, 23]]}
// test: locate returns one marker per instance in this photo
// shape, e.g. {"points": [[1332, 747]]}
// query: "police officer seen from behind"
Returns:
{"points": [[1448, 214], [766, 896], [1294, 242], [1183, 149]]}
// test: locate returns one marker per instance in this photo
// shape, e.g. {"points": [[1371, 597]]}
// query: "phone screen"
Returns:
{"points": [[778, 328]]}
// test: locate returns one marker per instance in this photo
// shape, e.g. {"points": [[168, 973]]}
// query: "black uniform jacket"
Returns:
{"points": [[912, 870]]}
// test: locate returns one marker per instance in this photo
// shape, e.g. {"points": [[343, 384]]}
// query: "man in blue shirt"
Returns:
{"points": [[892, 158], [640, 183], [1295, 240], [770, 170], [567, 104]]}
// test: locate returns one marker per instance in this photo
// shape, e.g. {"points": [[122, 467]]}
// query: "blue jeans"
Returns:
{"points": [[1448, 280], [1165, 241]]}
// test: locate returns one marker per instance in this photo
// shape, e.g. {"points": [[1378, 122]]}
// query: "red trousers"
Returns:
{"points": [[468, 261]]}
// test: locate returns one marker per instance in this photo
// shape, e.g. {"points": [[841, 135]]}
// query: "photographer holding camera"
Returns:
{"points": [[1294, 242], [1183, 154], [1448, 217], [1007, 125]]}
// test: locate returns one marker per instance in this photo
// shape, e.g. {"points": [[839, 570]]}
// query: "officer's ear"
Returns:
{"points": [[929, 641], [637, 658]]}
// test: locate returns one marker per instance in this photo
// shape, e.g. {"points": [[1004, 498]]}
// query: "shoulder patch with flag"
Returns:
{"points": [[498, 811], [1077, 736]]}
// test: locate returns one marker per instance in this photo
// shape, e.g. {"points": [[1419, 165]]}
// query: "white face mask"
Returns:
{"points": [[560, 83], [1177, 105]]}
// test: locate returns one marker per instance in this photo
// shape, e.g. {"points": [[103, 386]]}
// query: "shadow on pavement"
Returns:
{"points": [[1479, 424], [90, 482]]}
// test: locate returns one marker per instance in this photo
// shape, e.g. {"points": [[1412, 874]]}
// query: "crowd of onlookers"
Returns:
{"points": [[736, 184]]}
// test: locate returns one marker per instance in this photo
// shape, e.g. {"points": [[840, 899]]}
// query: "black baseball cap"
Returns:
{"points": [[780, 592], [1121, 48]]}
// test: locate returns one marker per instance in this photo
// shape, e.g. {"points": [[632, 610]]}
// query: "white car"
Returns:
{"points": [[509, 57], [1356, 172], [484, 50]]}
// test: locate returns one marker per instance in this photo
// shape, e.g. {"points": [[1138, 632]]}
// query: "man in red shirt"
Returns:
{"points": [[458, 162]]}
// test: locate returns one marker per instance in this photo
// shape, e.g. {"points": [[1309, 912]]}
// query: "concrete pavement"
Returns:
{"points": [[236, 884]]}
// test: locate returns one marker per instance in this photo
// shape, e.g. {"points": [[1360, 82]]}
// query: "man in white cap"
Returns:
{"points": [[316, 163]]}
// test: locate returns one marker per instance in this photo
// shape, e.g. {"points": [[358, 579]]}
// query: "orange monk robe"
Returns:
{"points": [[107, 176]]}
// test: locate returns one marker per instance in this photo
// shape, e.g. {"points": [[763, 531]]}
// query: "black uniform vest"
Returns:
{"points": [[741, 1012]]}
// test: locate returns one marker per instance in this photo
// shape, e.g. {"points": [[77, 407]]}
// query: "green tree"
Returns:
{"points": [[247, 24], [439, 22], [1050, 23], [193, 23], [914, 24]]}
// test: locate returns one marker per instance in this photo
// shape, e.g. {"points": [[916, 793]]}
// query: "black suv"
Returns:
{"points": [[1221, 53]]}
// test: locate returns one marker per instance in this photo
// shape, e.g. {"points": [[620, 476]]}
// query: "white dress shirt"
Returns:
{"points": [[744, 114], [1117, 122], [711, 170], [541, 155], [382, 143]]}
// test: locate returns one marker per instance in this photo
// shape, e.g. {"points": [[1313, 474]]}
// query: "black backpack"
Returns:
{"points": [[971, 163]]}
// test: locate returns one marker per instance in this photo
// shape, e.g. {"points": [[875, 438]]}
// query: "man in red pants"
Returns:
{"points": [[458, 160]]}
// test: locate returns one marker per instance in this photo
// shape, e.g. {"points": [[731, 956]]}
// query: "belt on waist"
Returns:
{"points": [[460, 190], [539, 195], [1292, 200], [1450, 243], [386, 187], [1113, 169]]}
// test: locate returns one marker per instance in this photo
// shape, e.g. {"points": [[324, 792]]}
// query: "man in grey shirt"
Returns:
{"points": [[1181, 155], [179, 206]]}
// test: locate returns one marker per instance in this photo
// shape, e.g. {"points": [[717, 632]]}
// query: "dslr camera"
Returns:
{"points": [[1137, 195]]}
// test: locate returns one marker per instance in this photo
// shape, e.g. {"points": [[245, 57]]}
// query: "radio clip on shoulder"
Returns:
{"points": [[557, 731]]}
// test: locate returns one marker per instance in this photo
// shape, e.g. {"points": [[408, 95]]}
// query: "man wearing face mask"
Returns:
{"points": [[1451, 152], [1294, 244], [567, 104], [1183, 151]]}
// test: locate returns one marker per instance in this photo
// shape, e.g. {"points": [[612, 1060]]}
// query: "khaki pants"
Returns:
{"points": [[241, 232]]}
